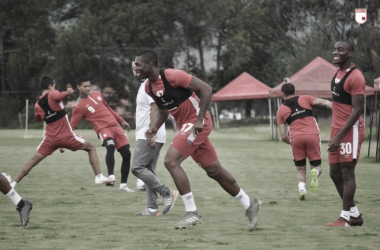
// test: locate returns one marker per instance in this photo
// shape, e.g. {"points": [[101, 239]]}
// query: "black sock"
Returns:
{"points": [[21, 204]]}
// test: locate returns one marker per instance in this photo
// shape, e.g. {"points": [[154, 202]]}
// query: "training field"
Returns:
{"points": [[71, 212]]}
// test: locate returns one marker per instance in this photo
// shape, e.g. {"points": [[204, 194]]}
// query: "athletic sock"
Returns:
{"points": [[301, 187], [243, 198], [345, 215], [188, 200], [111, 176], [152, 210], [14, 196], [354, 212], [123, 185]]}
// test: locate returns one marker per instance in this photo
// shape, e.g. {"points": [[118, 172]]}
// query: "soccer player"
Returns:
{"points": [[305, 142], [59, 134], [146, 153], [105, 121], [173, 91], [347, 131], [22, 206]]}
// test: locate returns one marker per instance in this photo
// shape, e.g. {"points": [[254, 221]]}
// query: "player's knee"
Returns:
{"points": [[300, 163], [125, 152], [136, 171], [109, 143], [214, 171], [315, 163]]}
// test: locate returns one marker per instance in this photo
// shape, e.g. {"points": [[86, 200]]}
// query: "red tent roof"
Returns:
{"points": [[314, 79], [242, 87]]}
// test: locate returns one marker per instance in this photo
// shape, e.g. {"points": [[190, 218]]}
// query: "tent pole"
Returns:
{"points": [[270, 116], [216, 115], [370, 131], [365, 109]]}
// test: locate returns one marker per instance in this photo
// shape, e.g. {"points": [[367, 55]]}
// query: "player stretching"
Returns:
{"points": [[105, 121], [58, 131], [347, 131], [304, 133], [173, 91], [22, 206]]}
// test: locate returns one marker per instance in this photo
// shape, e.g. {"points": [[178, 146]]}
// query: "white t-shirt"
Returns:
{"points": [[143, 110]]}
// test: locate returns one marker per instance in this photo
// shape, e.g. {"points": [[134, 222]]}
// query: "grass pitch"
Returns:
{"points": [[71, 212]]}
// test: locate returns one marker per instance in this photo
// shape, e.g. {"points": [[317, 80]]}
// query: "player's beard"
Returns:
{"points": [[139, 79]]}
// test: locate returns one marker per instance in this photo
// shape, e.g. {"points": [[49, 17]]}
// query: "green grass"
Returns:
{"points": [[71, 212]]}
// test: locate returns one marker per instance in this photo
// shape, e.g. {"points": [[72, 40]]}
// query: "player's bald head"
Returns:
{"points": [[348, 45]]}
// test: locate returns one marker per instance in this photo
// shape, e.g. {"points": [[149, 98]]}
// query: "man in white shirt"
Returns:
{"points": [[146, 154]]}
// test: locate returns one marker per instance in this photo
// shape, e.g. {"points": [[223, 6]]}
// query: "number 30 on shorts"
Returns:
{"points": [[345, 148]]}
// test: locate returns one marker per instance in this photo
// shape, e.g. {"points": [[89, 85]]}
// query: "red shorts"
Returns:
{"points": [[306, 146], [48, 146], [115, 132], [349, 145], [199, 148]]}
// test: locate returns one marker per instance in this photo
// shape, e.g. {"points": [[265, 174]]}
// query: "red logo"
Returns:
{"points": [[361, 16]]}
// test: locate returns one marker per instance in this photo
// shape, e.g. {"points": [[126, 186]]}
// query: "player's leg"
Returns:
{"points": [[313, 152], [109, 143], [22, 206], [205, 155], [36, 158], [301, 178], [94, 161], [143, 167], [316, 171], [125, 167]]}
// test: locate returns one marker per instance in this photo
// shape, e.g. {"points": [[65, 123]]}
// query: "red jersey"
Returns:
{"points": [[304, 126], [94, 109], [354, 85], [60, 128], [186, 112]]}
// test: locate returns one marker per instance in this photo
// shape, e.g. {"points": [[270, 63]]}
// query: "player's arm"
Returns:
{"points": [[205, 91], [284, 135], [153, 119], [162, 115], [38, 114], [119, 119], [59, 96], [322, 102], [75, 117], [357, 105]]}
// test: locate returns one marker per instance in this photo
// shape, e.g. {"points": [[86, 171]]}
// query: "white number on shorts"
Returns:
{"points": [[91, 109], [345, 148], [186, 127]]}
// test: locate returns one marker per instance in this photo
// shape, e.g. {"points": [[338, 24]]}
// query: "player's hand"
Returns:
{"points": [[126, 125], [334, 144], [152, 142], [197, 127], [70, 91], [62, 150], [150, 133]]}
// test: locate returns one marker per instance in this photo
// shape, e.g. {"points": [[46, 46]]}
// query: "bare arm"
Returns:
{"points": [[153, 119], [322, 102], [162, 115], [205, 91], [283, 133], [357, 105]]}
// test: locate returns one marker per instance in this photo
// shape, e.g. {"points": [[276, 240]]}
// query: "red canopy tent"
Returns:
{"points": [[242, 87], [314, 79]]}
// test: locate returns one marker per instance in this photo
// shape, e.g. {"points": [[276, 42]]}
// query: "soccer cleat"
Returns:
{"points": [[169, 201], [146, 212], [111, 184], [338, 223], [125, 188], [302, 196], [253, 213], [188, 220], [356, 221], [314, 180], [101, 179], [24, 212]]}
